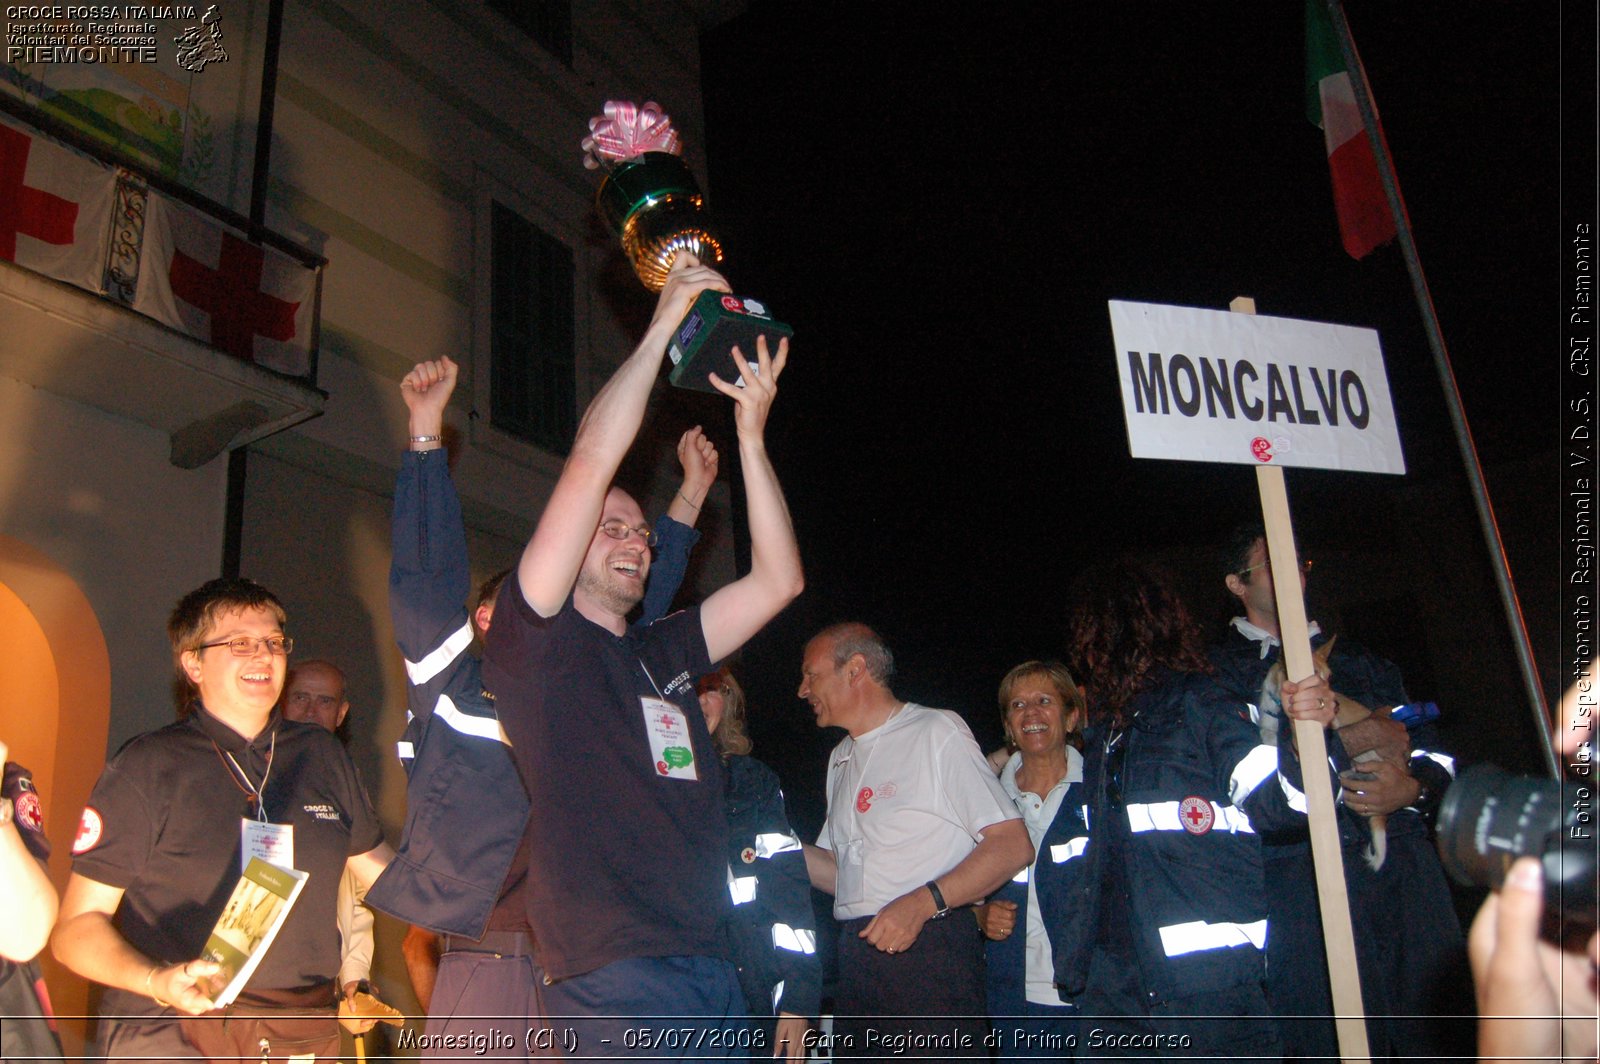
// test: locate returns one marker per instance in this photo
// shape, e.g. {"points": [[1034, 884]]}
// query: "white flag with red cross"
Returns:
{"points": [[205, 279], [55, 208]]}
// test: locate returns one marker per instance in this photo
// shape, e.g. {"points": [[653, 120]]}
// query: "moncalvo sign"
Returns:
{"points": [[1214, 386]]}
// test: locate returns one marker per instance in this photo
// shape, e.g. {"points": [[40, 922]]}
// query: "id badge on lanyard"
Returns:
{"points": [[671, 745], [273, 843], [851, 880], [671, 741]]}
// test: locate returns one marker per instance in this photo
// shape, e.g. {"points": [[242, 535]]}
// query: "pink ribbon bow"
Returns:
{"points": [[626, 131]]}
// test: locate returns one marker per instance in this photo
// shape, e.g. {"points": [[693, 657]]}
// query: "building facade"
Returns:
{"points": [[412, 173]]}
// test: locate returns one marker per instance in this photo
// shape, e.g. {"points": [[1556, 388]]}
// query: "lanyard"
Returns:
{"points": [[652, 679], [241, 778]]}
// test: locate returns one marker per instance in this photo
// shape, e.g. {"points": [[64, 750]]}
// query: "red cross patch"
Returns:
{"points": [[89, 831], [748, 855], [28, 811], [1196, 815]]}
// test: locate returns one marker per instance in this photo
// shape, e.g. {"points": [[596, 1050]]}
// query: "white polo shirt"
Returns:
{"points": [[907, 802]]}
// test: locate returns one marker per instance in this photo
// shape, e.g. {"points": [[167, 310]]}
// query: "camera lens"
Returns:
{"points": [[1489, 818]]}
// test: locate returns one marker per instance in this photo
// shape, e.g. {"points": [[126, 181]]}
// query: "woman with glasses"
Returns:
{"points": [[770, 927], [1042, 710], [1151, 888]]}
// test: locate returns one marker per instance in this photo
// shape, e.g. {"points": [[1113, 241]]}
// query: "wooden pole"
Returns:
{"points": [[1339, 940]]}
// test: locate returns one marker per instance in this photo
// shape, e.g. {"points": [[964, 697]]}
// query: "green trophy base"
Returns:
{"points": [[715, 325]]}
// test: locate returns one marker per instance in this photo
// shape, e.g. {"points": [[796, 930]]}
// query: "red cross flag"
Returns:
{"points": [[55, 208], [202, 278]]}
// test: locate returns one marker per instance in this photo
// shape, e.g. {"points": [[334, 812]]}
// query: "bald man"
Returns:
{"points": [[315, 694]]}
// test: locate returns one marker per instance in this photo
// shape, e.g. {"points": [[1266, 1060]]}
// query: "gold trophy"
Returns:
{"points": [[650, 198]]}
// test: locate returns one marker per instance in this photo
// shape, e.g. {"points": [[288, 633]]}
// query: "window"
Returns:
{"points": [[531, 377], [548, 22]]}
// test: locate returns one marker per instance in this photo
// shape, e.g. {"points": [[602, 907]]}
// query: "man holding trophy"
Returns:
{"points": [[627, 873]]}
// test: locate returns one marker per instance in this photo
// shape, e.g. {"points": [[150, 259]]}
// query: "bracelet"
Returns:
{"points": [[427, 439], [148, 989], [685, 498]]}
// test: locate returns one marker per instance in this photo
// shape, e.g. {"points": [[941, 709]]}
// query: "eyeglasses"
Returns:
{"points": [[1305, 567], [617, 528], [244, 646]]}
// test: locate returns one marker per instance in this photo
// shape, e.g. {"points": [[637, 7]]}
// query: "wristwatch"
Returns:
{"points": [[938, 901]]}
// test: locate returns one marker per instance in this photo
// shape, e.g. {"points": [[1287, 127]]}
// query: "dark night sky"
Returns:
{"points": [[942, 207]]}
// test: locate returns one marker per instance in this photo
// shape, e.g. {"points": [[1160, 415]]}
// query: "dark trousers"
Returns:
{"points": [[1041, 1031], [1121, 1020], [925, 1002], [1410, 953], [487, 1005], [652, 1008]]}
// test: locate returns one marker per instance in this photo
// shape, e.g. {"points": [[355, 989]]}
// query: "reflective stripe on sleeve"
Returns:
{"points": [[433, 663], [1066, 851], [1444, 761], [1179, 939], [467, 724], [1249, 773], [795, 940], [1295, 798], [1164, 816], [1020, 877], [775, 842], [405, 750], [777, 996], [741, 888]]}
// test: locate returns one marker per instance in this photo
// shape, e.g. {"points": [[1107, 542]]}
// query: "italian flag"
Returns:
{"points": [[1365, 220]]}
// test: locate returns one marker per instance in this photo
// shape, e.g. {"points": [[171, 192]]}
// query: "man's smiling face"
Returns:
{"points": [[614, 570], [234, 687]]}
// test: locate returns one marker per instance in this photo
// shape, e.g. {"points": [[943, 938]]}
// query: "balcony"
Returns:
{"points": [[203, 351]]}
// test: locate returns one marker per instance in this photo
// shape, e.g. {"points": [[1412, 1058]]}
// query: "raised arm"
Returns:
{"points": [[429, 575], [738, 611], [550, 564], [698, 457], [674, 532]]}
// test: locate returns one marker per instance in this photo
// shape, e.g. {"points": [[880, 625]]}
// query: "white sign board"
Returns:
{"points": [[1214, 386]]}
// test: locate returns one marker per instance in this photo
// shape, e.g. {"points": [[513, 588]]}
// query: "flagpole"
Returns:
{"points": [[1447, 380]]}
